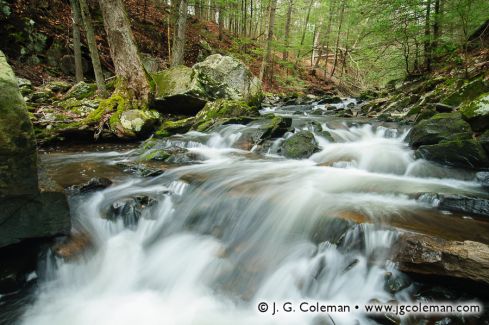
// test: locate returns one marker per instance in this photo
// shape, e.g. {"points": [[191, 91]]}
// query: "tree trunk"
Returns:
{"points": [[285, 54], [315, 45], [123, 50], [221, 22], [77, 21], [437, 24], [304, 31], [338, 38], [265, 67], [179, 39], [427, 36], [326, 41], [92, 46]]}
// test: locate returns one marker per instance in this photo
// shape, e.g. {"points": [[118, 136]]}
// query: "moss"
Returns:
{"points": [[169, 128], [223, 108], [157, 154]]}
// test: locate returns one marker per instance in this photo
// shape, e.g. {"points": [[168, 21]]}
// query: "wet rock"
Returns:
{"points": [[396, 282], [141, 169], [330, 100], [457, 153], [169, 128], [72, 246], [423, 254], [184, 90], [457, 203], [130, 210], [440, 127], [94, 184], [300, 145], [483, 179], [276, 127], [214, 112], [476, 112]]}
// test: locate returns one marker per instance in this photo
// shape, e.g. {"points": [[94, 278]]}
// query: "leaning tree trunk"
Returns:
{"points": [[92, 46], [123, 50], [77, 21], [179, 39]]}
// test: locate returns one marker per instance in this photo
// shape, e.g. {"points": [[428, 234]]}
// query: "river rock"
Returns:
{"points": [[25, 212], [483, 179], [300, 145], [444, 126], [186, 90], [94, 184], [466, 153], [130, 210], [221, 109], [457, 203], [134, 123], [423, 254]]}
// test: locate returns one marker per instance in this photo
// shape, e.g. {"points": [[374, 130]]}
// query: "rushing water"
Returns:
{"points": [[238, 227]]}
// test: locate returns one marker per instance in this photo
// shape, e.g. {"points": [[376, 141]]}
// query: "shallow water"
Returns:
{"points": [[239, 226]]}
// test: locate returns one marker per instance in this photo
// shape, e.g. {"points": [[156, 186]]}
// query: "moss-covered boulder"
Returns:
{"points": [[462, 153], [223, 111], [169, 128], [134, 123], [467, 92], [18, 158], [476, 112], [233, 79], [81, 90], [185, 91], [177, 90], [443, 126], [300, 145], [27, 215]]}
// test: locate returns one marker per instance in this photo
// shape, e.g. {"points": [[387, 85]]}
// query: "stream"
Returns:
{"points": [[233, 224]]}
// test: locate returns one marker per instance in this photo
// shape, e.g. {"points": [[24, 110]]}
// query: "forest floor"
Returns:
{"points": [[150, 28]]}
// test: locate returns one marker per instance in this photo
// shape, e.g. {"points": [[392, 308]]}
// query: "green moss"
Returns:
{"points": [[158, 154], [169, 128]]}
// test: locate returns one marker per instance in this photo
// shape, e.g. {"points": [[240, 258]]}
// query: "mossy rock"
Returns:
{"points": [[442, 126], [57, 86], [476, 112], [18, 157], [461, 153], [219, 111], [81, 90], [467, 92], [299, 146], [134, 123], [169, 128]]}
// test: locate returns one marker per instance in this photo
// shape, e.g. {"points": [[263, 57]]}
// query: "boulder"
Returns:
{"points": [[423, 254], [179, 91], [26, 213], [94, 184], [134, 123], [300, 145], [169, 128], [440, 127], [464, 153], [184, 90], [222, 110], [476, 112]]}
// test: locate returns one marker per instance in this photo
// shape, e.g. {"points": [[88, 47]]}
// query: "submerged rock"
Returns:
{"points": [[300, 145], [457, 203], [423, 254], [130, 210], [483, 179]]}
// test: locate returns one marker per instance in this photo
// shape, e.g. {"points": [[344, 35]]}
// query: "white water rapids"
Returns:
{"points": [[243, 227]]}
